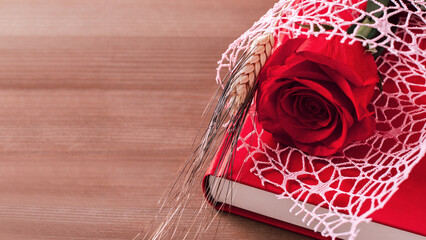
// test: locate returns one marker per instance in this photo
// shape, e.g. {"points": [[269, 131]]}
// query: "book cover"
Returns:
{"points": [[243, 193]]}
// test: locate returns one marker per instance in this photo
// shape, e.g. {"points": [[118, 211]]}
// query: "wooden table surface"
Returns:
{"points": [[100, 101]]}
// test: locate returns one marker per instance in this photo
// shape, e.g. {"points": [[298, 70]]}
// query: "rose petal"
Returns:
{"points": [[289, 101], [308, 117], [335, 98], [300, 133], [362, 98], [267, 105], [352, 61], [328, 146], [279, 56], [301, 68]]}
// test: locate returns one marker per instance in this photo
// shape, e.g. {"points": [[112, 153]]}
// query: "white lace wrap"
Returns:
{"points": [[380, 163]]}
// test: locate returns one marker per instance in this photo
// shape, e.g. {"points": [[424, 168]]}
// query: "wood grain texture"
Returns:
{"points": [[100, 101]]}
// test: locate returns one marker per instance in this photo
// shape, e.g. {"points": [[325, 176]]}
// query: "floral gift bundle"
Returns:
{"points": [[336, 84]]}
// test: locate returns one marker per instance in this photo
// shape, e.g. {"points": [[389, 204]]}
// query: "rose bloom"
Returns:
{"points": [[313, 94]]}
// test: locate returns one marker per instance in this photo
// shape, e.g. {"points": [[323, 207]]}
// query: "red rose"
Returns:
{"points": [[313, 94]]}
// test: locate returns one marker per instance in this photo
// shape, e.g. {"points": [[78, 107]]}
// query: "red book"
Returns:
{"points": [[403, 217]]}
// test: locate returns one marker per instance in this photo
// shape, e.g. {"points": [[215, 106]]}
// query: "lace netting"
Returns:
{"points": [[367, 173]]}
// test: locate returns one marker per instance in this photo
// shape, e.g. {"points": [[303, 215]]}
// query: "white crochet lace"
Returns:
{"points": [[379, 164]]}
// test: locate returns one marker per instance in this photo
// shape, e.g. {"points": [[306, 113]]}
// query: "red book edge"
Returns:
{"points": [[411, 189], [248, 214]]}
